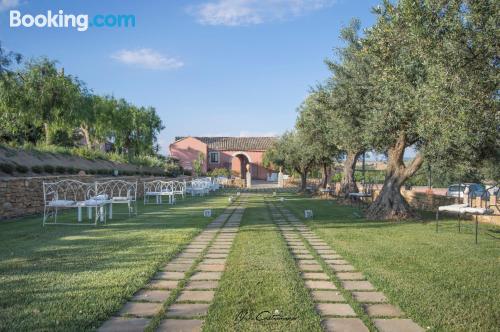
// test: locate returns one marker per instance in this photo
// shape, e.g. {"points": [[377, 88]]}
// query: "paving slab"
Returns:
{"points": [[221, 246], [180, 325], [397, 325], [357, 285], [140, 309], [369, 297], [330, 256], [307, 261], [319, 284], [202, 284], [338, 262], [326, 251], [193, 245], [344, 325], [207, 276], [210, 256], [327, 296], [183, 260], [124, 324], [218, 251], [162, 284], [196, 296], [211, 267], [350, 275], [342, 268], [188, 255], [169, 275], [304, 256], [335, 309], [382, 310], [177, 267], [151, 295], [310, 267], [187, 309], [214, 261], [193, 250], [315, 276]]}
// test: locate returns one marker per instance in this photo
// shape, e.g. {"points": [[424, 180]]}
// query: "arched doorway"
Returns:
{"points": [[239, 164]]}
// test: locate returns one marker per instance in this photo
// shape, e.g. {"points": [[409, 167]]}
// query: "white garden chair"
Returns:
{"points": [[179, 188], [72, 194], [158, 189], [462, 210], [119, 192]]}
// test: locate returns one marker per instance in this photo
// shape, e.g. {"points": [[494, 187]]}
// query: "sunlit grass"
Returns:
{"points": [[71, 278]]}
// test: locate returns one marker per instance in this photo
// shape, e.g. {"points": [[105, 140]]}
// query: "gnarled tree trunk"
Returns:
{"points": [[390, 204], [327, 172], [303, 181], [348, 182], [86, 136]]}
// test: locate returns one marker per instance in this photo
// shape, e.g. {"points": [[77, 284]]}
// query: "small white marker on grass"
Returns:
{"points": [[308, 214], [207, 213]]}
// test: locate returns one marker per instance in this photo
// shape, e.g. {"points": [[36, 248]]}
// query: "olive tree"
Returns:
{"points": [[434, 77], [348, 99], [291, 153]]}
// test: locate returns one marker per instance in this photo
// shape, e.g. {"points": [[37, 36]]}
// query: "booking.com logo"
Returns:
{"points": [[80, 22]]}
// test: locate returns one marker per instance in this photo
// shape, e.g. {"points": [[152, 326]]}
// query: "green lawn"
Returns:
{"points": [[71, 278], [442, 281], [261, 277]]}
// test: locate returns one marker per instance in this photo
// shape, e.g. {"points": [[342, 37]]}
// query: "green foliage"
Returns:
{"points": [[173, 168], [37, 169], [60, 169], [198, 164], [48, 169], [41, 105], [7, 168], [22, 169], [219, 172]]}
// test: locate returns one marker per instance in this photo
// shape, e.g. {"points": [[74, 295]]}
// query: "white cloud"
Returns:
{"points": [[250, 12], [7, 4], [147, 58]]}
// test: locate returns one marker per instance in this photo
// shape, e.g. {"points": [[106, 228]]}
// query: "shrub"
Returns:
{"points": [[188, 172], [37, 169], [71, 170], [103, 171], [48, 169], [7, 168], [60, 169], [22, 169], [91, 171], [219, 172]]}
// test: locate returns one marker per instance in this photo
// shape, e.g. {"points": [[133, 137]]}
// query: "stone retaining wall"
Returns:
{"points": [[24, 196]]}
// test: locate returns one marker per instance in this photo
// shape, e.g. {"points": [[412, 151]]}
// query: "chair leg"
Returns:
{"points": [[477, 228], [437, 220]]}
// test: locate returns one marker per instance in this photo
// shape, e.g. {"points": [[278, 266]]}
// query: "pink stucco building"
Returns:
{"points": [[233, 153]]}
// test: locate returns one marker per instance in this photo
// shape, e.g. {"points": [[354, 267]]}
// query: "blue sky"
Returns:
{"points": [[209, 67]]}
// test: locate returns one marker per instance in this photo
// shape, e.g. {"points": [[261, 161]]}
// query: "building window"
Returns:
{"points": [[214, 157]]}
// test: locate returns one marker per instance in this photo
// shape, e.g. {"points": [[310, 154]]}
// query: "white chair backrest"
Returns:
{"points": [[179, 187], [71, 190], [117, 188]]}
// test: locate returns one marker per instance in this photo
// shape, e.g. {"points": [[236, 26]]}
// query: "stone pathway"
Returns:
{"points": [[191, 306], [312, 254], [199, 266]]}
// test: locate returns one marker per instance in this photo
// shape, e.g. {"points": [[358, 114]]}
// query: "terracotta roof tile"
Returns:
{"points": [[236, 143]]}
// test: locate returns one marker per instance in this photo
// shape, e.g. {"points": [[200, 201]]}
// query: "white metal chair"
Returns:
{"points": [[158, 189], [179, 188], [119, 192], [73, 194]]}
